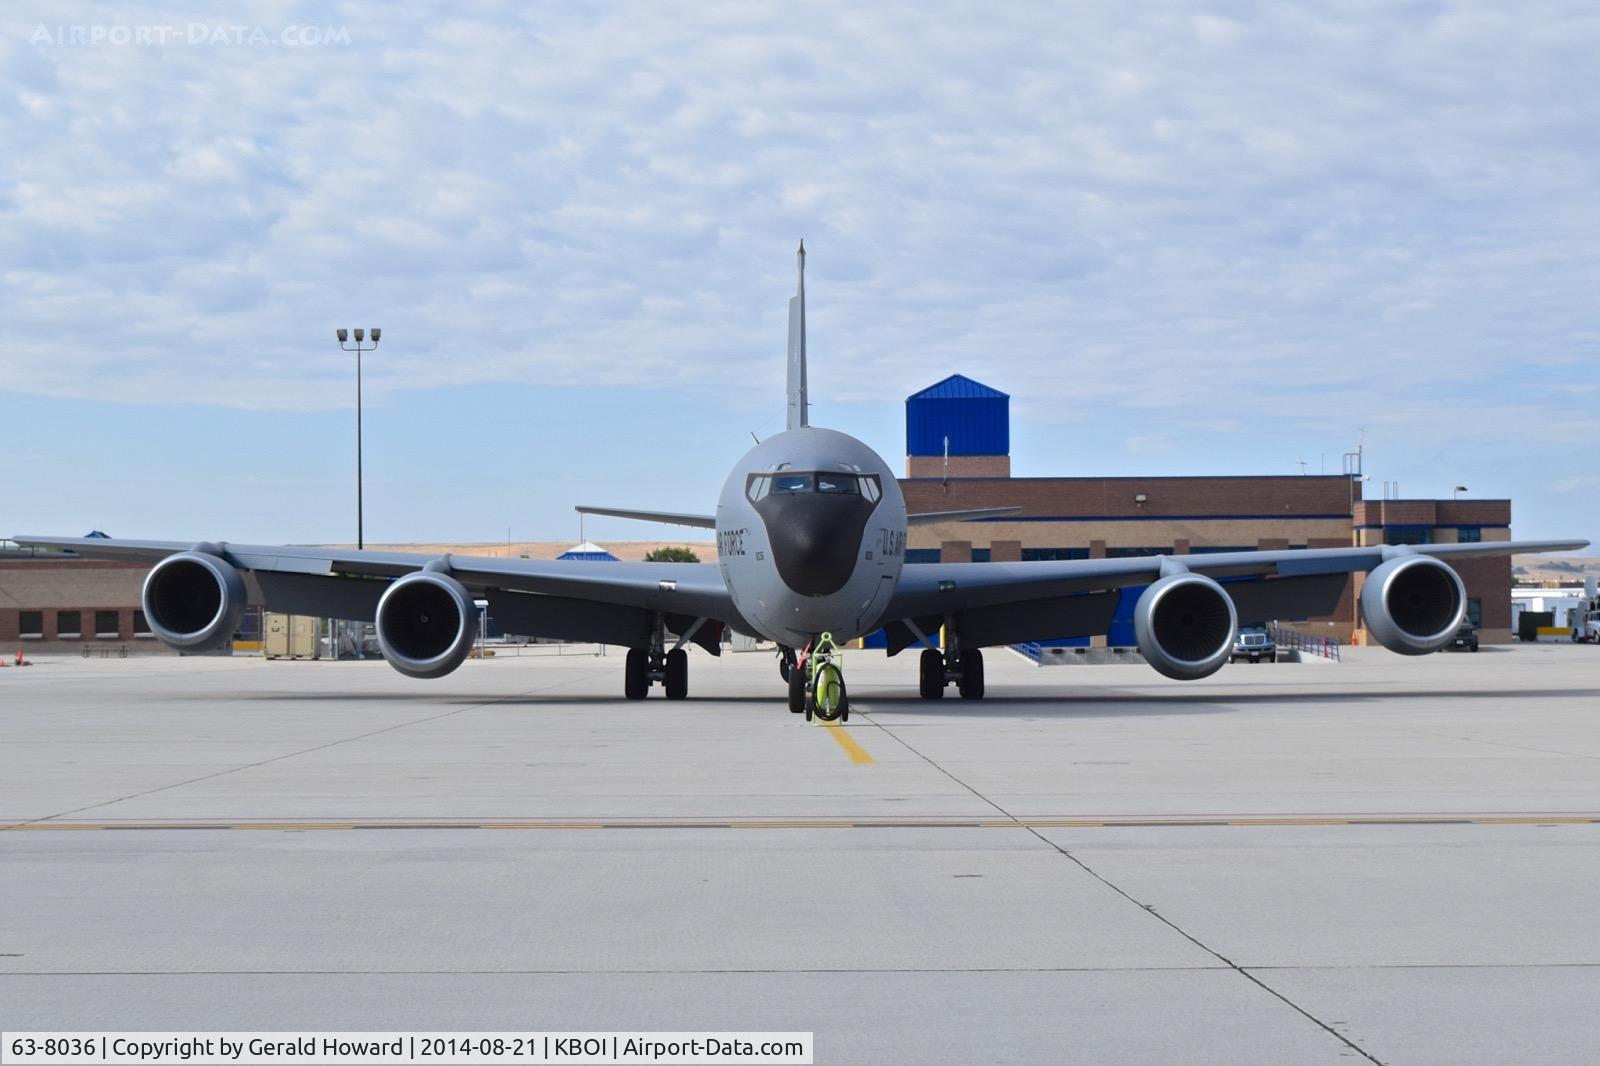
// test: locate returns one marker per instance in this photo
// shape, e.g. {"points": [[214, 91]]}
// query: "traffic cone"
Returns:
{"points": [[20, 660]]}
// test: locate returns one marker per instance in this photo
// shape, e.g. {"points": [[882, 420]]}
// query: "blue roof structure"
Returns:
{"points": [[958, 387], [587, 552], [974, 418]]}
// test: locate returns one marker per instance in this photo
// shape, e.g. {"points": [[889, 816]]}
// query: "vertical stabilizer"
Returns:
{"points": [[798, 416]]}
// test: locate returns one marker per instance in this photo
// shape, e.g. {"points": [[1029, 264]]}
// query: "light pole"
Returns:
{"points": [[360, 336]]}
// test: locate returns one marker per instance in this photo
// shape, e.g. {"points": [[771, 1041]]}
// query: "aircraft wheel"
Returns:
{"points": [[677, 680], [786, 664], [930, 681], [971, 683], [635, 681], [797, 690]]}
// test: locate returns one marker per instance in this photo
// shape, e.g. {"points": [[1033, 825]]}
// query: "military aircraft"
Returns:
{"points": [[811, 542]]}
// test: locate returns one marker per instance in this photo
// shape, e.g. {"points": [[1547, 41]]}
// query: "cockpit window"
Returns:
{"points": [[842, 484], [760, 486]]}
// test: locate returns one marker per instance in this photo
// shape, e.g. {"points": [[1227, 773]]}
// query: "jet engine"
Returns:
{"points": [[426, 624], [1185, 625], [193, 601], [1413, 604]]}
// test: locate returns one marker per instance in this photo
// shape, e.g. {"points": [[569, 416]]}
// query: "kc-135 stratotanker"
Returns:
{"points": [[811, 544]]}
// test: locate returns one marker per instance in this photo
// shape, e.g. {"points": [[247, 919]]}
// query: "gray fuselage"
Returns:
{"points": [[811, 534]]}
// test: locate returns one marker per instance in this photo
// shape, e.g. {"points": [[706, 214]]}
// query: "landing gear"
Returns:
{"points": [[931, 681], [785, 662], [797, 690], [936, 670], [636, 675], [970, 684], [676, 681], [647, 666], [823, 695]]}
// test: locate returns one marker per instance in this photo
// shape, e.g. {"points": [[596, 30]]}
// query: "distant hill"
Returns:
{"points": [[1564, 569]]}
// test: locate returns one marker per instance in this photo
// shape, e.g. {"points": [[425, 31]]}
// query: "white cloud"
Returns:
{"points": [[1377, 216]]}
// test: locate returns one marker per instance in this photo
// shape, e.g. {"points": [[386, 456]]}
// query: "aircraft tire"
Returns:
{"points": [[797, 690], [971, 683], [635, 682], [677, 680], [930, 680]]}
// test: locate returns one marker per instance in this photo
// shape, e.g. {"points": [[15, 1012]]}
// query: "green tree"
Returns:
{"points": [[672, 555]]}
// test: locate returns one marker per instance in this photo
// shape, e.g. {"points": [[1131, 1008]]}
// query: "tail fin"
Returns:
{"points": [[798, 416]]}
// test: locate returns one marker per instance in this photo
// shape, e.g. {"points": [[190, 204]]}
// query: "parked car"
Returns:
{"points": [[1466, 639], [1255, 645]]}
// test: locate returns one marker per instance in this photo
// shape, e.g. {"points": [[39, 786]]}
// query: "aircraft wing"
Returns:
{"points": [[671, 518], [1007, 603], [535, 597]]}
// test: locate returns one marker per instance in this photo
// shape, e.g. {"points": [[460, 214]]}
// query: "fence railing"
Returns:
{"points": [[1306, 643]]}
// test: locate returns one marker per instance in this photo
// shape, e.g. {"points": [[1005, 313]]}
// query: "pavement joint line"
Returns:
{"points": [[296, 825], [294, 754], [616, 973], [1148, 908]]}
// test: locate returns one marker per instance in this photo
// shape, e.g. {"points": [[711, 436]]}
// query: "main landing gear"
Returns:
{"points": [[938, 669], [647, 666], [816, 682]]}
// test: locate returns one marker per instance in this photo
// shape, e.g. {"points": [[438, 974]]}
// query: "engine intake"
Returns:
{"points": [[1413, 604], [1185, 625], [193, 601], [426, 624]]}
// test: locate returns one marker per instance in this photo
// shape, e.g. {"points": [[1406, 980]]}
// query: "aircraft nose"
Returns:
{"points": [[814, 540]]}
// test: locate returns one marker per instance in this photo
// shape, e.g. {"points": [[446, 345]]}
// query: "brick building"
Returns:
{"points": [[954, 423], [51, 602]]}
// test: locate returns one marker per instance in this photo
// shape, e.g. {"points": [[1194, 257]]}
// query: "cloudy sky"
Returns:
{"points": [[1186, 240]]}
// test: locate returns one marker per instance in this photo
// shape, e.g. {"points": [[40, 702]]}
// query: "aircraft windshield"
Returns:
{"points": [[833, 483]]}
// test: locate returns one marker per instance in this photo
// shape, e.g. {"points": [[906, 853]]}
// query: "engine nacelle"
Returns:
{"points": [[1185, 625], [193, 601], [426, 624], [1413, 604]]}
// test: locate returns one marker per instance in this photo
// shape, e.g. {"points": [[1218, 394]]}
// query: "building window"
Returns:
{"points": [[30, 624], [980, 555], [1475, 611], [141, 625], [1214, 549], [107, 624], [1136, 553], [69, 624], [922, 555], [1407, 535], [1035, 555], [1469, 534]]}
